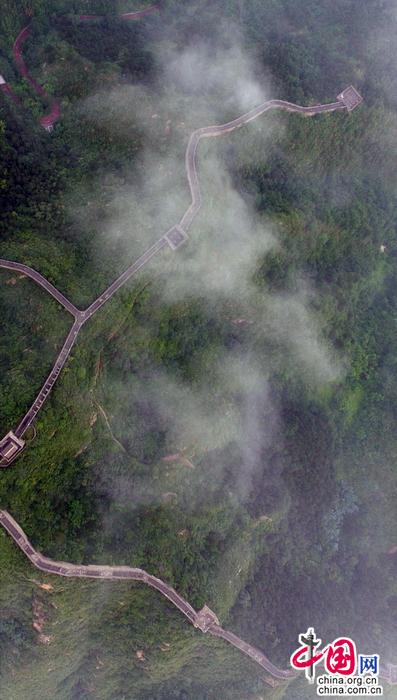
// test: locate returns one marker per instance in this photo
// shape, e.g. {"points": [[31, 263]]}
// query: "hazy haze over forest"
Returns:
{"points": [[259, 359]]}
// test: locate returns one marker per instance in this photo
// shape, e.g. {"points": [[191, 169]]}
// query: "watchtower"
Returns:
{"points": [[10, 447], [205, 619], [350, 97], [175, 237]]}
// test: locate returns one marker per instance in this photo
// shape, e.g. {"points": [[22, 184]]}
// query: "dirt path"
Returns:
{"points": [[109, 427], [48, 120]]}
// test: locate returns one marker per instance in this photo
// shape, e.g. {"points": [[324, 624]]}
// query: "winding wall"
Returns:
{"points": [[172, 239], [62, 568], [388, 672]]}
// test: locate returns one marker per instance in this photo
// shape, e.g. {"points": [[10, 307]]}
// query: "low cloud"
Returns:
{"points": [[291, 322], [232, 406]]}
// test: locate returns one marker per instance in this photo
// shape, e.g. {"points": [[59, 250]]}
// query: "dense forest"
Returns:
{"points": [[227, 421]]}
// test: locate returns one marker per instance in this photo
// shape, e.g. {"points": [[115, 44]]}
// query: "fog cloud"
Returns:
{"points": [[205, 83]]}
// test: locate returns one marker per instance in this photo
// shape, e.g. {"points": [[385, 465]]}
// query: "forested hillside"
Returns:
{"points": [[227, 421]]}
